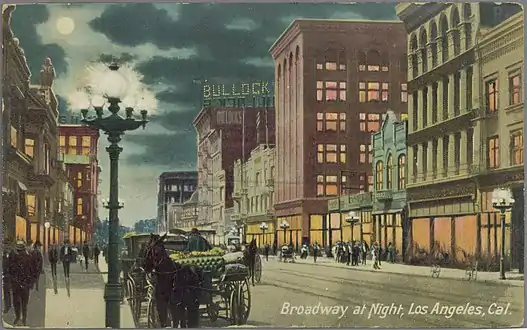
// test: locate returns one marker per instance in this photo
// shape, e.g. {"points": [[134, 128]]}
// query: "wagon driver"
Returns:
{"points": [[196, 242]]}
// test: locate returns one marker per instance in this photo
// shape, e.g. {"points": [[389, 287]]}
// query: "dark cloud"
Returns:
{"points": [[23, 23], [220, 53], [164, 149]]}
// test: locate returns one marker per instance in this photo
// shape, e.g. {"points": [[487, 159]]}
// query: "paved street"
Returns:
{"points": [[286, 288]]}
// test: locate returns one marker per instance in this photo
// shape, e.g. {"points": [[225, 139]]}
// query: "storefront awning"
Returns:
{"points": [[387, 211], [22, 186]]}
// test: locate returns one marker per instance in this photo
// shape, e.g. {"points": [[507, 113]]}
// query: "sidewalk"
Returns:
{"points": [[513, 278], [35, 308]]}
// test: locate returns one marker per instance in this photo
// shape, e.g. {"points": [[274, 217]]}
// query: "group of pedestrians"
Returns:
{"points": [[356, 253], [68, 254]]}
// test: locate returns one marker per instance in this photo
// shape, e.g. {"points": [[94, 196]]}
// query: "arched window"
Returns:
{"points": [[413, 51], [433, 40], [401, 184], [455, 32], [362, 61], [79, 179], [424, 56], [378, 175], [79, 206], [374, 61], [443, 26], [389, 172]]}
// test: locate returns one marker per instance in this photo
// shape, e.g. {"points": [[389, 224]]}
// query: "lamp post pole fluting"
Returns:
{"points": [[114, 126]]}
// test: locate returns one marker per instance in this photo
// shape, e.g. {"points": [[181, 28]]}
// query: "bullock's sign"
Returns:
{"points": [[233, 91]]}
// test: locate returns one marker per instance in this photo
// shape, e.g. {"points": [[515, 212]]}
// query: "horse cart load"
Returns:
{"points": [[223, 287]]}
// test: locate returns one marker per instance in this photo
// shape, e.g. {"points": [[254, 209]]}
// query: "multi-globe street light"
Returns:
{"points": [[284, 225], [503, 201], [47, 225], [113, 87], [351, 219], [263, 228]]}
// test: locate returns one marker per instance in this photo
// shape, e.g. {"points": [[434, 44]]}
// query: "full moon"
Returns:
{"points": [[65, 25]]}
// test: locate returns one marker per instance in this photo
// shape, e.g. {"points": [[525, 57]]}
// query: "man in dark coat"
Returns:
{"points": [[196, 242], [53, 257], [38, 262], [266, 251], [66, 256], [22, 278], [96, 252], [6, 277], [86, 254]]}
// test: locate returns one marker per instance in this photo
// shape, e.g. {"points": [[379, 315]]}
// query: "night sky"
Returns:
{"points": [[172, 48]]}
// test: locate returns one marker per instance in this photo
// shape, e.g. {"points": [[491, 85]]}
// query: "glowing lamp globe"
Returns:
{"points": [[80, 100], [47, 224], [98, 101], [113, 84]]}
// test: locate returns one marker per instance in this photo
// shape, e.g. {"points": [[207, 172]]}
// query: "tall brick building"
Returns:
{"points": [[334, 79]]}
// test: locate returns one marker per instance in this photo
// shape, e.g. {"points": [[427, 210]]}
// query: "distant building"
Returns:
{"points": [[389, 190], [78, 145], [333, 81], [175, 188], [254, 194], [225, 134]]}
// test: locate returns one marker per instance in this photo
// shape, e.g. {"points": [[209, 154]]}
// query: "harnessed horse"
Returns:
{"points": [[249, 258], [177, 287]]}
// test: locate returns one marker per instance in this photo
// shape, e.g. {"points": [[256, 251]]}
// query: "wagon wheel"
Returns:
{"points": [[151, 316], [130, 296], [240, 302], [258, 269]]}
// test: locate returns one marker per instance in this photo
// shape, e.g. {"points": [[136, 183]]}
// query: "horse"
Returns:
{"points": [[249, 258], [177, 287]]}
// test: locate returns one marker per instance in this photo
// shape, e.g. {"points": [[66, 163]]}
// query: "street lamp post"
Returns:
{"points": [[114, 88], [264, 227], [284, 225], [351, 219], [502, 200], [47, 225]]}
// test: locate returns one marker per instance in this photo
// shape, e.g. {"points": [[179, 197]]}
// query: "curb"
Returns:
{"points": [[518, 283]]}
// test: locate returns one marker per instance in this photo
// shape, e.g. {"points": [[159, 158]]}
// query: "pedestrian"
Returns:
{"points": [[266, 251], [66, 256], [348, 249], [53, 257], [365, 249], [21, 271], [86, 253], [316, 248], [38, 263], [374, 256], [6, 277], [380, 253], [391, 255], [96, 252], [355, 254]]}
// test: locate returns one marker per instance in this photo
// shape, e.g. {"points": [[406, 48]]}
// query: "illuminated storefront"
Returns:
{"points": [[338, 229], [292, 233]]}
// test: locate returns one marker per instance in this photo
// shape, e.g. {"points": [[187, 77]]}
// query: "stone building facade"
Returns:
{"points": [[389, 190], [447, 121]]}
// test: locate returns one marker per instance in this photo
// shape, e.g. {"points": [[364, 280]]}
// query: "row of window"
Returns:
{"points": [[328, 185], [516, 150], [373, 61], [515, 92], [372, 91], [75, 145], [331, 153], [336, 122], [380, 184]]}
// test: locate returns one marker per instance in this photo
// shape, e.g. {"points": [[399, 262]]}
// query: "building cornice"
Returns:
{"points": [[285, 39], [416, 14], [502, 39]]}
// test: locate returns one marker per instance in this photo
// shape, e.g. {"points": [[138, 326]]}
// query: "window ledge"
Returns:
{"points": [[514, 107]]}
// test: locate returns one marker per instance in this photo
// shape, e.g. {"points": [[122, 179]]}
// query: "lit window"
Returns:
{"points": [[492, 95], [370, 182], [342, 91], [374, 122], [389, 173], [30, 147], [384, 68], [72, 145], [62, 144], [401, 183], [362, 157], [320, 66], [362, 92], [331, 153], [79, 206], [515, 90], [86, 145], [320, 185], [331, 66], [79, 179], [362, 122], [362, 61], [14, 137], [404, 116], [404, 93], [331, 91], [373, 68], [385, 92], [342, 155], [342, 122], [320, 89], [320, 121], [320, 153], [331, 185], [331, 121], [373, 91], [378, 175], [370, 154], [517, 148], [494, 152]]}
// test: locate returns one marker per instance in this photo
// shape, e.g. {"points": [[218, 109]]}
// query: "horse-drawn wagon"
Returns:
{"points": [[287, 253], [222, 291]]}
